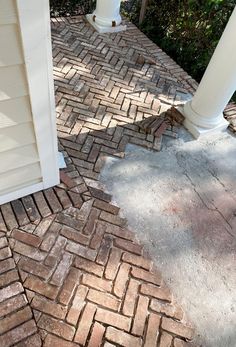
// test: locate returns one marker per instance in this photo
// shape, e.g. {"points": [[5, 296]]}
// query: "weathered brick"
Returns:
{"points": [[130, 298], [31, 208], [11, 290], [62, 269], [8, 277], [165, 340], [56, 327], [52, 341], [162, 293], [88, 266], [34, 267], [128, 246], [152, 330], [20, 213], [146, 276], [85, 324], [31, 341], [5, 253], [38, 286], [97, 335], [122, 338], [81, 250], [42, 204], [121, 280], [27, 238], [16, 318], [19, 333], [102, 205], [49, 307], [104, 250], [113, 264], [77, 305], [111, 218], [103, 299], [9, 216], [68, 288], [74, 235], [12, 304], [113, 319], [96, 282], [177, 328], [170, 310], [140, 316]]}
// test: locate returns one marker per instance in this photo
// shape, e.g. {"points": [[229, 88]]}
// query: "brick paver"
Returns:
{"points": [[71, 272]]}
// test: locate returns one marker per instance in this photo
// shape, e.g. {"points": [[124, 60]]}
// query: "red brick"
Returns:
{"points": [[116, 230], [96, 282], [113, 319], [44, 225], [113, 219], [85, 324], [42, 204], [146, 276], [6, 265], [51, 308], [165, 340], [104, 250], [38, 286], [74, 235], [9, 216], [69, 286], [66, 179], [162, 293], [177, 328], [140, 316], [31, 341], [34, 267], [76, 199], [16, 318], [130, 298], [12, 304], [122, 338], [77, 305], [97, 237], [3, 242], [18, 334], [121, 280], [8, 277], [88, 266], [63, 197], [27, 238], [28, 251], [62, 269], [20, 213], [128, 246], [90, 225], [99, 194], [11, 290], [152, 330], [97, 335], [81, 250], [172, 311], [113, 264], [5, 253], [31, 208], [103, 299], [56, 327], [137, 260], [102, 205], [53, 341], [52, 200]]}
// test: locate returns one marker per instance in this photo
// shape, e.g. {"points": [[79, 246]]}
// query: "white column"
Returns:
{"points": [[106, 17], [204, 113]]}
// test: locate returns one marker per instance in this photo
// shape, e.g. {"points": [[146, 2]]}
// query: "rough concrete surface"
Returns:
{"points": [[182, 203]]}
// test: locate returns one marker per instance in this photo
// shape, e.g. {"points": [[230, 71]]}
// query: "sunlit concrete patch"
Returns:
{"points": [[182, 203]]}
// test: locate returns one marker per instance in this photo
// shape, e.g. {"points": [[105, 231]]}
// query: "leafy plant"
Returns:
{"points": [[71, 7]]}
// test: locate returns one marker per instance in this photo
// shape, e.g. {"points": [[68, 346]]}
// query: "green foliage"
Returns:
{"points": [[187, 30], [71, 7]]}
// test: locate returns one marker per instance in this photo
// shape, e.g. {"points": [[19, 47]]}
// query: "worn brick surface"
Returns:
{"points": [[71, 272]]}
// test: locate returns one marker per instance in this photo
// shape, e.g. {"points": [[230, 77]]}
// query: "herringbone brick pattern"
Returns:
{"points": [[71, 272]]}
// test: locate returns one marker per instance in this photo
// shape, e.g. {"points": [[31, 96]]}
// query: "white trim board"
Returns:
{"points": [[34, 19]]}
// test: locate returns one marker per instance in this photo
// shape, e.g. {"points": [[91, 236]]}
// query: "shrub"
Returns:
{"points": [[70, 7], [187, 30]]}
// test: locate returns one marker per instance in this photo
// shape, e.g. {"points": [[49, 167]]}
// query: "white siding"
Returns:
{"points": [[19, 159]]}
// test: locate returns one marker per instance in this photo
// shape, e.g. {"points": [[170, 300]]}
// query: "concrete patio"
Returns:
{"points": [[72, 272]]}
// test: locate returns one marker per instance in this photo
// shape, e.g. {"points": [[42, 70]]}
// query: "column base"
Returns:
{"points": [[199, 132], [104, 29]]}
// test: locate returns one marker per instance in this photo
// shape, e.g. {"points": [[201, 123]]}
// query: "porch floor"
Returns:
{"points": [[72, 273]]}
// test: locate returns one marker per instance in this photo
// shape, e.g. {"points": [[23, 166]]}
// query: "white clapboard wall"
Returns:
{"points": [[28, 147]]}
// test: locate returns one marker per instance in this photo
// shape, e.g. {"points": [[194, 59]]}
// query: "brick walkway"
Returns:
{"points": [[71, 273]]}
